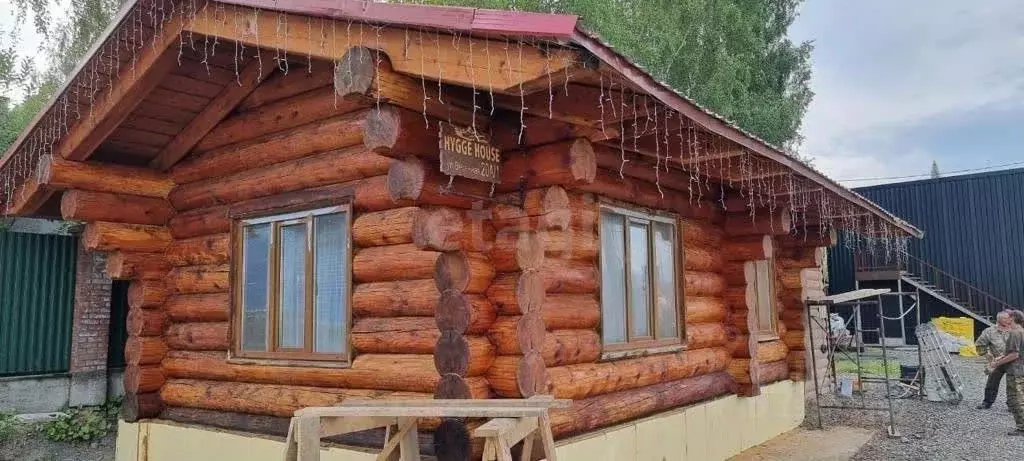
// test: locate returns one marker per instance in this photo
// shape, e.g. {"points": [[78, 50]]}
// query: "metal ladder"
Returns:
{"points": [[937, 366]]}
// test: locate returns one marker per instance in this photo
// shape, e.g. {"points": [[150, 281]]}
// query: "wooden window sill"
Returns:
{"points": [[641, 352], [764, 338], [287, 362]]}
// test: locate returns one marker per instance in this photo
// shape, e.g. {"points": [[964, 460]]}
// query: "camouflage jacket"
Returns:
{"points": [[992, 342]]}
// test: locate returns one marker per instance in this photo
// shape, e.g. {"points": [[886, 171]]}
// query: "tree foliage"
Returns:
{"points": [[66, 39], [731, 56]]}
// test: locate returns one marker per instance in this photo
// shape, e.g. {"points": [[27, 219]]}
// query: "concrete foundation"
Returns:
{"points": [[709, 431], [35, 394], [87, 389], [52, 393]]}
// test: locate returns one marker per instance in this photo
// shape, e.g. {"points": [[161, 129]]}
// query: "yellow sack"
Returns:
{"points": [[961, 327]]}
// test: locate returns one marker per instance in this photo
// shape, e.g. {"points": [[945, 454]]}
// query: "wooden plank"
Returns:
{"points": [[547, 439], [339, 426], [132, 85], [291, 447], [848, 296], [308, 438], [218, 108], [423, 411], [189, 85], [511, 429], [540, 401], [178, 100], [410, 52], [405, 439], [409, 445]]}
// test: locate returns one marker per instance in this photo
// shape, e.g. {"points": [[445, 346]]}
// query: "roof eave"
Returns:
{"points": [[452, 19], [114, 24], [723, 128]]}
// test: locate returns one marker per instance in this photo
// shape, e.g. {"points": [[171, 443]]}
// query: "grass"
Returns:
{"points": [[869, 367]]}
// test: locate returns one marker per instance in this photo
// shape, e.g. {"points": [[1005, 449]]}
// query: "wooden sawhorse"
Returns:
{"points": [[510, 421]]}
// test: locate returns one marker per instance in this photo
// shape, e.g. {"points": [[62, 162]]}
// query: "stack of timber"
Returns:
{"points": [[801, 276]]}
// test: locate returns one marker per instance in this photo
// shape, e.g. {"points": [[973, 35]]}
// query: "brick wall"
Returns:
{"points": [[91, 325]]}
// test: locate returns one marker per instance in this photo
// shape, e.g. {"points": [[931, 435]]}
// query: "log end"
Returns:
{"points": [[584, 161], [451, 272], [381, 129], [451, 354], [453, 312], [140, 406], [531, 375], [768, 243], [452, 386], [530, 291], [437, 229], [354, 74], [406, 180]]}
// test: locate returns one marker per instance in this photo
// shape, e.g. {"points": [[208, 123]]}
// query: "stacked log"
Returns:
{"points": [[800, 276], [126, 212], [518, 255], [746, 242], [546, 295]]}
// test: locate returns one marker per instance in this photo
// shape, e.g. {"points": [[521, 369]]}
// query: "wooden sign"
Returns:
{"points": [[469, 154]]}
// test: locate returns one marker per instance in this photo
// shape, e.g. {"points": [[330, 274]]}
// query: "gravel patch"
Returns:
{"points": [[930, 430]]}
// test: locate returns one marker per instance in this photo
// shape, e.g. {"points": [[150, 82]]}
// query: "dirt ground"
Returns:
{"points": [[932, 431], [29, 445]]}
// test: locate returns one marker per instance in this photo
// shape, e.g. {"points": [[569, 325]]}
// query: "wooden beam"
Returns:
{"points": [[716, 125], [29, 197], [61, 174], [205, 121], [436, 56], [366, 75], [129, 88]]}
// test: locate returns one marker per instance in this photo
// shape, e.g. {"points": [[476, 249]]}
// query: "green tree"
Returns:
{"points": [[732, 56], [935, 170], [66, 40]]}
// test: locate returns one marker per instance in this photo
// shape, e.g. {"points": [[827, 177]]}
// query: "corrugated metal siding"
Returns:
{"points": [[118, 324], [37, 286], [974, 229]]}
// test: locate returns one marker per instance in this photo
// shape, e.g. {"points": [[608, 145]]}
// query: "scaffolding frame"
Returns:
{"points": [[856, 300]]}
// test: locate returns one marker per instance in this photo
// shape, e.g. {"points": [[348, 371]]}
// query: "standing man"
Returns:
{"points": [[992, 345], [1014, 372]]}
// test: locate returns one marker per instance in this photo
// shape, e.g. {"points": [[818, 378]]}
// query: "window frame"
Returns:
{"points": [[288, 356], [648, 344], [771, 334]]}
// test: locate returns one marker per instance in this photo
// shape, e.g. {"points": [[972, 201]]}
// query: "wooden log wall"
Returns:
{"points": [[751, 237], [801, 275], [450, 299], [126, 212], [546, 293]]}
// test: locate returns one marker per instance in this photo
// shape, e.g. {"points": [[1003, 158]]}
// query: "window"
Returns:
{"points": [[291, 294], [764, 282], [639, 275]]}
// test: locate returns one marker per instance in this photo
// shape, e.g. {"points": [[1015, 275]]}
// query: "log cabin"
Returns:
{"points": [[315, 201]]}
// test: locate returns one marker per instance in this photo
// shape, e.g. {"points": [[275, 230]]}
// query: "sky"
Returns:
{"points": [[28, 40], [902, 83]]}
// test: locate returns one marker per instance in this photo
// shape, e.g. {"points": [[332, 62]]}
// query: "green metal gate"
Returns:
{"points": [[37, 286]]}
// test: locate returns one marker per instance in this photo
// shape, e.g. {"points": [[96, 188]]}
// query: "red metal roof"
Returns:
{"points": [[453, 18]]}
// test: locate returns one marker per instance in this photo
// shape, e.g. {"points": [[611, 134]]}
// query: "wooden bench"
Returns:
{"points": [[510, 421]]}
